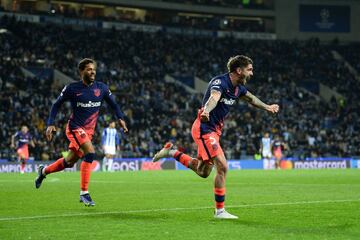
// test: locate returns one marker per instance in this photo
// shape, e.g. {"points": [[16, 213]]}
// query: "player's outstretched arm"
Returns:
{"points": [[64, 96], [256, 102], [123, 125], [119, 114], [210, 105], [13, 140]]}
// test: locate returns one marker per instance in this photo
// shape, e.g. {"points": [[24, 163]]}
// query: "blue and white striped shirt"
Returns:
{"points": [[110, 137]]}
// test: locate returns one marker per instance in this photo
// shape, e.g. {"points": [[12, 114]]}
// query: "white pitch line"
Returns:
{"points": [[174, 209], [51, 180]]}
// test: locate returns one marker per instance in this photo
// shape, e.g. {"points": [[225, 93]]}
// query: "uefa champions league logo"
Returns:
{"points": [[325, 16]]}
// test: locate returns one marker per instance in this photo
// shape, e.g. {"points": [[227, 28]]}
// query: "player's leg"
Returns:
{"points": [[21, 159], [110, 162], [68, 162], [72, 157], [104, 163], [200, 167], [196, 164], [267, 159], [57, 166], [22, 164], [85, 173], [277, 158], [204, 168], [219, 190], [184, 159], [277, 162]]}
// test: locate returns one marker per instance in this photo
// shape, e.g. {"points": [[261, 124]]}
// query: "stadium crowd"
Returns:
{"points": [[227, 3], [160, 17], [134, 65]]}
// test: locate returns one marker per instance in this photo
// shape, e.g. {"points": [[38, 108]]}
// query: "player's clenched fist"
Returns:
{"points": [[49, 131], [204, 116], [123, 125], [274, 108]]}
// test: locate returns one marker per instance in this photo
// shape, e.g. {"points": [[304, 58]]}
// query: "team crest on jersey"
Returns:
{"points": [[214, 146], [97, 92]]}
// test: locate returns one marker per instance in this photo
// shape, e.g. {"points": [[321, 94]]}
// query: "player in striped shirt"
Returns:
{"points": [[110, 142], [266, 146]]}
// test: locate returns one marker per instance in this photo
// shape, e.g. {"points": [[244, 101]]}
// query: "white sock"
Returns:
{"points": [[172, 152], [43, 171], [219, 210], [105, 162], [83, 192], [110, 162]]}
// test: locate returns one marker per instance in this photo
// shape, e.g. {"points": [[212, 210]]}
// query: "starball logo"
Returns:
{"points": [[325, 22]]}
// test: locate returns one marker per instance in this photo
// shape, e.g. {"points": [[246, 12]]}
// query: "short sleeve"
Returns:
{"points": [[106, 90], [242, 91], [217, 85], [65, 93]]}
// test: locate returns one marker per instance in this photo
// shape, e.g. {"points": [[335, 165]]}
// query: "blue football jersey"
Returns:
{"points": [[85, 103], [229, 94], [22, 138]]}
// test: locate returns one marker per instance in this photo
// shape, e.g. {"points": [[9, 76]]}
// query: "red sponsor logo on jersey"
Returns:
{"points": [[97, 92]]}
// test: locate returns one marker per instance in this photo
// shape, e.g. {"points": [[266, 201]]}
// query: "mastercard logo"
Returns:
{"points": [[285, 164]]}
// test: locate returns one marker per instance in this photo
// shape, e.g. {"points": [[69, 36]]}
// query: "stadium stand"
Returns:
{"points": [[158, 111]]}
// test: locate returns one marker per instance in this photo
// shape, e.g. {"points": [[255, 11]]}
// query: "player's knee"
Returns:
{"points": [[89, 157], [69, 164], [204, 174], [70, 160], [205, 171], [222, 169]]}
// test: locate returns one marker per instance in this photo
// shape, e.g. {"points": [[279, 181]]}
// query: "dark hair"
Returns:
{"points": [[238, 61], [84, 62]]}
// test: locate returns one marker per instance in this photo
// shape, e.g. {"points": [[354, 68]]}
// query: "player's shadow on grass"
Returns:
{"points": [[235, 222], [300, 229]]}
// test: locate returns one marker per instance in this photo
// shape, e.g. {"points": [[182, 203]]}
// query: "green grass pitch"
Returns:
{"points": [[292, 204]]}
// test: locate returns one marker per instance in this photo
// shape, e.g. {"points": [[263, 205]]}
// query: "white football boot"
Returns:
{"points": [[223, 214], [163, 153]]}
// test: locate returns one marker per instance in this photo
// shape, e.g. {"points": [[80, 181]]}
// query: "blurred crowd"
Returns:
{"points": [[163, 17], [134, 65]]}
